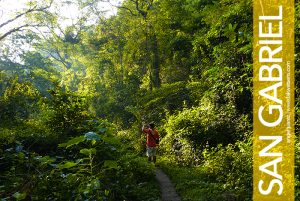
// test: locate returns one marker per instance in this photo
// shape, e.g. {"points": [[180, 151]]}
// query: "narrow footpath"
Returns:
{"points": [[167, 189]]}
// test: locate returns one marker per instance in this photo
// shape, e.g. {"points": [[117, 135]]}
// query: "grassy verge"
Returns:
{"points": [[147, 191], [194, 184], [141, 184]]}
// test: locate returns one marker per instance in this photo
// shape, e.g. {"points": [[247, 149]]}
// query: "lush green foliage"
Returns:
{"points": [[193, 129], [91, 166], [73, 99], [226, 174]]}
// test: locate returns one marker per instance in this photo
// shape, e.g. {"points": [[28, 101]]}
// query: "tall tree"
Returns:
{"points": [[140, 15]]}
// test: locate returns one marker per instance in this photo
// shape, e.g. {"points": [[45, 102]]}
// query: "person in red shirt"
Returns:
{"points": [[152, 141]]}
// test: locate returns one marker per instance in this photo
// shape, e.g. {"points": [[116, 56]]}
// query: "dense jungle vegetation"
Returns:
{"points": [[73, 98]]}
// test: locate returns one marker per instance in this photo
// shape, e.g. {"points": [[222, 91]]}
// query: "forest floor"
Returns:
{"points": [[168, 192]]}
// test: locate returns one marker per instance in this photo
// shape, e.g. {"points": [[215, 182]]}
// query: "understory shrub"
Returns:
{"points": [[91, 166], [64, 111], [231, 166], [225, 173], [193, 129]]}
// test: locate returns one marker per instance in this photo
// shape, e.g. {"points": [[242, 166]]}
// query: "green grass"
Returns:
{"points": [[145, 186], [147, 191], [194, 184]]}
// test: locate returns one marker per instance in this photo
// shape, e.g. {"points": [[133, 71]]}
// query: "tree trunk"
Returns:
{"points": [[155, 63]]}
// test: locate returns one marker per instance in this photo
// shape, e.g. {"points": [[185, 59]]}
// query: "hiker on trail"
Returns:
{"points": [[152, 141]]}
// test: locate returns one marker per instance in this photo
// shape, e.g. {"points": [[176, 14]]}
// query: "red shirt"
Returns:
{"points": [[152, 135]]}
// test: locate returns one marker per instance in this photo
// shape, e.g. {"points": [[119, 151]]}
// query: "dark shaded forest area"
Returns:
{"points": [[73, 99]]}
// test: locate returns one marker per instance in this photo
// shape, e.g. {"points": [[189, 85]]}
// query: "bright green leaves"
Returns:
{"points": [[90, 136], [110, 164], [87, 145], [106, 192], [19, 196], [230, 32], [88, 152], [67, 165], [84, 165], [45, 160], [31, 3], [17, 100], [67, 110], [73, 141]]}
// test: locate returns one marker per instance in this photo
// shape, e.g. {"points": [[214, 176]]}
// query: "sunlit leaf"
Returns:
{"points": [[67, 165], [45, 159], [19, 196], [110, 164], [88, 151], [72, 142]]}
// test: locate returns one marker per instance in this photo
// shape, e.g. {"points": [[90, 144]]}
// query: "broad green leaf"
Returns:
{"points": [[45, 159], [72, 142], [110, 164], [19, 196], [92, 136], [88, 151], [67, 165], [111, 140]]}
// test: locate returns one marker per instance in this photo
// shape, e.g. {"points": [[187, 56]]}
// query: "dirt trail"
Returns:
{"points": [[167, 189]]}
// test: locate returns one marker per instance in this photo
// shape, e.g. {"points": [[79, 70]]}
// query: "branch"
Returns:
{"points": [[137, 6], [62, 60], [34, 9], [18, 16], [123, 7], [59, 59], [60, 29], [13, 30], [150, 5], [19, 28]]}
